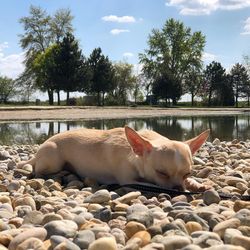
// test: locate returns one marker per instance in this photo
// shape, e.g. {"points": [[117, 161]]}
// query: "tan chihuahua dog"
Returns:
{"points": [[120, 155]]}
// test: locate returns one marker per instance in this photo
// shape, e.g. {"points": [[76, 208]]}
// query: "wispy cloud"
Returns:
{"points": [[127, 54], [246, 27], [118, 31], [119, 19], [206, 7], [11, 65], [3, 46], [208, 57]]}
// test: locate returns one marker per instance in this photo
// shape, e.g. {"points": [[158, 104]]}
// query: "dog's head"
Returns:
{"points": [[165, 162]]}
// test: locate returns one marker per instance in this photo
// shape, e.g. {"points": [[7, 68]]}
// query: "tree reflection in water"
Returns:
{"points": [[179, 128]]}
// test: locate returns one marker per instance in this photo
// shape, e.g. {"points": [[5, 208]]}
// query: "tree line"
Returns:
{"points": [[171, 67]]}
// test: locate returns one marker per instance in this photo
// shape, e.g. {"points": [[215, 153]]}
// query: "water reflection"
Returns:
{"points": [[180, 128]]}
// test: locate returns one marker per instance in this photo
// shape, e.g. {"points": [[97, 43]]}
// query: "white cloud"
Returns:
{"points": [[128, 54], [208, 57], [3, 46], [119, 19], [118, 31], [206, 7], [11, 65], [246, 27]]}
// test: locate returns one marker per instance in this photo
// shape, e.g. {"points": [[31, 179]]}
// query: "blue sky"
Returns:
{"points": [[121, 27]]}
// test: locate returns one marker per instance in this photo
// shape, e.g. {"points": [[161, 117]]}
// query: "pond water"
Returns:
{"points": [[174, 127]]}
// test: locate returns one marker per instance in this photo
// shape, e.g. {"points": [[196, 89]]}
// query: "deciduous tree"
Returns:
{"points": [[124, 81], [42, 30], [7, 89], [172, 51], [193, 81]]}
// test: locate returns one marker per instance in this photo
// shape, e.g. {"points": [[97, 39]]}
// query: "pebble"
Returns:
{"points": [[119, 235], [33, 217], [101, 196], [31, 243], [240, 240], [133, 227], [104, 243], [206, 239], [175, 242], [221, 227], [230, 233], [66, 228], [193, 226], [144, 218], [245, 230], [244, 216], [64, 212], [127, 198], [39, 233], [62, 243], [50, 217], [210, 197], [83, 238], [25, 200], [144, 236]]}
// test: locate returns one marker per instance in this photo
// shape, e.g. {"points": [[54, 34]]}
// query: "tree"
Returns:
{"points": [[61, 24], [26, 86], [172, 51], [246, 88], [165, 88], [216, 85], [7, 89], [124, 82], [73, 72], [226, 92], [102, 80], [246, 92], [44, 67], [239, 79], [41, 31], [193, 82], [138, 88], [61, 67]]}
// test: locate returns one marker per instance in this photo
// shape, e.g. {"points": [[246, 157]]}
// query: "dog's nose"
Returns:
{"points": [[178, 187]]}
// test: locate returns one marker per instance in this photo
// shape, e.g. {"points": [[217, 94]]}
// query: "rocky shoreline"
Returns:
{"points": [[64, 212]]}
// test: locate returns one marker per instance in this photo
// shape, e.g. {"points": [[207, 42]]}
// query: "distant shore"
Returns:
{"points": [[24, 113]]}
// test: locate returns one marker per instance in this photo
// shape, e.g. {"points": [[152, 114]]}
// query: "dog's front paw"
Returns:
{"points": [[193, 185]]}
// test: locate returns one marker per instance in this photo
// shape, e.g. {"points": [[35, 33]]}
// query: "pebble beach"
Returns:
{"points": [[64, 212]]}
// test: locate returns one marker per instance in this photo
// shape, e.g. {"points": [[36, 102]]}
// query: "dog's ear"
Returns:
{"points": [[195, 143], [138, 144]]}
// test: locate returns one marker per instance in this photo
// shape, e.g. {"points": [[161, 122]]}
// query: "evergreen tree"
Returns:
{"points": [[217, 86], [102, 80], [62, 67], [239, 79], [71, 66]]}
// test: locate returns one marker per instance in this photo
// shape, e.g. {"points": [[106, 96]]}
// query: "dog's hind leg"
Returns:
{"points": [[31, 161], [48, 160]]}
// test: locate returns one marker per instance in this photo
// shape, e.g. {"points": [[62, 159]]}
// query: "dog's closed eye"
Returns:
{"points": [[162, 174]]}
